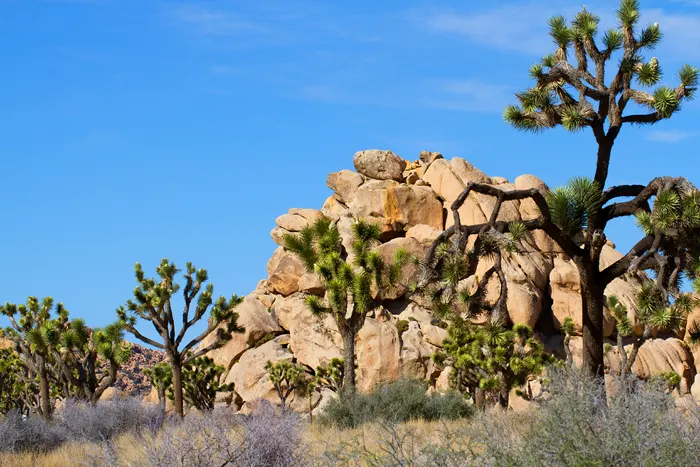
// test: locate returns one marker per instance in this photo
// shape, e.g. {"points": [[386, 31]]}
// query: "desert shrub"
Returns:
{"points": [[78, 422], [267, 437], [639, 425], [200, 439], [20, 434], [399, 401], [273, 437], [108, 419]]}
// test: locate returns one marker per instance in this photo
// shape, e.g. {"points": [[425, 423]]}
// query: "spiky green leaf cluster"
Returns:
{"points": [[330, 375], [486, 356], [574, 205], [347, 283]]}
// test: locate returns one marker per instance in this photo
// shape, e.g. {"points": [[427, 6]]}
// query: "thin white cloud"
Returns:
{"points": [[213, 22], [670, 136], [522, 26], [470, 95]]}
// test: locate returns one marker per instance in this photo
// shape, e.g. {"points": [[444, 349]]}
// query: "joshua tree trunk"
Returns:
{"points": [[349, 361], [593, 301], [177, 387], [44, 394], [479, 398], [503, 392]]}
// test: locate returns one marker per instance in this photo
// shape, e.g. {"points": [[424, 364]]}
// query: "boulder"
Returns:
{"points": [[311, 283], [378, 355], [345, 184], [695, 388], [397, 208], [415, 312], [659, 356], [284, 270], [415, 353], [313, 340], [112, 393], [434, 335], [258, 323], [409, 273], [249, 376], [296, 219], [379, 164], [423, 233], [334, 208], [426, 157], [443, 381]]}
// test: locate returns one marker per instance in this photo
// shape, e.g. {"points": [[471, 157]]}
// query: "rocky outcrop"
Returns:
{"points": [[411, 200]]}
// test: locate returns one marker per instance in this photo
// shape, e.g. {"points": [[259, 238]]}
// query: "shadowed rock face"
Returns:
{"points": [[410, 201]]}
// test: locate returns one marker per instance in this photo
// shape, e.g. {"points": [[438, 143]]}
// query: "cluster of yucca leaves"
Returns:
{"points": [[551, 101], [14, 387], [491, 358], [75, 361], [574, 205], [319, 247]]}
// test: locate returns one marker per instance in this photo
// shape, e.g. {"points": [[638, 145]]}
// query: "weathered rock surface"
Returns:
{"points": [[379, 164], [251, 380], [258, 323], [659, 356], [411, 202], [284, 271]]}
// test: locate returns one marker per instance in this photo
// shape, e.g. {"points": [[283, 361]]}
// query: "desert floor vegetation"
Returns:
{"points": [[574, 425]]}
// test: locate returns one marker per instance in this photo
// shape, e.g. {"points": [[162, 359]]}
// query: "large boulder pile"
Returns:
{"points": [[410, 201]]}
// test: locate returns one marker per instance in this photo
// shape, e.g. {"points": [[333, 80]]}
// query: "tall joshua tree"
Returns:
{"points": [[35, 333], [353, 288], [152, 302], [571, 91]]}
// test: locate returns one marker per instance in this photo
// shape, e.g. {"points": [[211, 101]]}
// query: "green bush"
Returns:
{"points": [[401, 401]]}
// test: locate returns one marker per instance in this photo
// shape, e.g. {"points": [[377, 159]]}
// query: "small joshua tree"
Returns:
{"points": [[491, 358], [35, 334], [161, 377], [13, 383], [330, 375], [349, 285], [654, 315], [201, 382], [286, 377], [152, 302], [82, 352]]}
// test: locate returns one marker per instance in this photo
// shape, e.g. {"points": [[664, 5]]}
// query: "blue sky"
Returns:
{"points": [[132, 130]]}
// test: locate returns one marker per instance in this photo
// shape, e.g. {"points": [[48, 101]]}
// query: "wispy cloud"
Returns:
{"points": [[469, 95], [212, 21], [516, 27], [670, 136], [521, 26]]}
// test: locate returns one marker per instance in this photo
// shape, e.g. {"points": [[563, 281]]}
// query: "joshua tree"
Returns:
{"points": [[578, 97], [491, 358], [153, 303], [655, 315], [35, 334], [330, 375], [80, 354], [286, 377], [161, 377], [353, 289], [14, 387], [200, 383]]}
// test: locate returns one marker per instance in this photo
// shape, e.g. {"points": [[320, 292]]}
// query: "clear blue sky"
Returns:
{"points": [[132, 130]]}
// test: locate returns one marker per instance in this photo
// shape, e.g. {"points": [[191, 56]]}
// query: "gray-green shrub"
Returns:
{"points": [[400, 401]]}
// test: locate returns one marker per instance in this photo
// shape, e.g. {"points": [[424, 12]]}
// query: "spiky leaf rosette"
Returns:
{"points": [[574, 205]]}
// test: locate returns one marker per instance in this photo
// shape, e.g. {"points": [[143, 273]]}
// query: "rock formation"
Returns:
{"points": [[409, 200]]}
